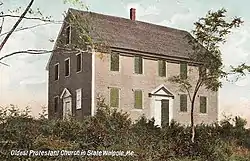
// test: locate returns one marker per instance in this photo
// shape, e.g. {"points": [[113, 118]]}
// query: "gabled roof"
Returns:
{"points": [[122, 33], [136, 35]]}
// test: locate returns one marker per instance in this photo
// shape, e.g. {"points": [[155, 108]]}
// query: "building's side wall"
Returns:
{"points": [[72, 83], [148, 81]]}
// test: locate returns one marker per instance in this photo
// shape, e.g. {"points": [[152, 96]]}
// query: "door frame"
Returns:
{"points": [[65, 114], [156, 108]]}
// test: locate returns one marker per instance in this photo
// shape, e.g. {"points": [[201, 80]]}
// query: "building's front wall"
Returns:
{"points": [[127, 81]]}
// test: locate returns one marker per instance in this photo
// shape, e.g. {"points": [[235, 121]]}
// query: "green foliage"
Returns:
{"points": [[113, 130], [209, 33]]}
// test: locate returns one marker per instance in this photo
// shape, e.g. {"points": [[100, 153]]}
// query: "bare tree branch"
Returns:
{"points": [[4, 64], [1, 27], [35, 52], [29, 27], [39, 52], [28, 18], [16, 24]]}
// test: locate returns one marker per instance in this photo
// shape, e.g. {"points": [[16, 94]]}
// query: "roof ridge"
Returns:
{"points": [[127, 19]]}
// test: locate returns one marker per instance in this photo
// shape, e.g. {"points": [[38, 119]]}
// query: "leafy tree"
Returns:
{"points": [[209, 33]]}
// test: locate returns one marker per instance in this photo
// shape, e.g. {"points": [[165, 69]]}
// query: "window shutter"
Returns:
{"points": [[162, 68], [138, 99], [114, 62], [138, 65], [183, 103], [183, 70], [114, 97], [203, 104]]}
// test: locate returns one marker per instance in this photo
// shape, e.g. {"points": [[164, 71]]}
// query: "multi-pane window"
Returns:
{"points": [[162, 68], [183, 103], [67, 67], [114, 97], [78, 98], [183, 70], [78, 62], [56, 70], [114, 63], [56, 104], [138, 65], [68, 35], [138, 99], [203, 104]]}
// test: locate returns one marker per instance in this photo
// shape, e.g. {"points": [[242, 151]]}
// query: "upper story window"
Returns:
{"points": [[78, 62], [162, 68], [138, 65], [67, 67], [114, 62], [56, 71], [203, 104], [78, 98], [183, 102], [114, 97], [138, 99], [68, 34], [56, 104], [183, 70]]}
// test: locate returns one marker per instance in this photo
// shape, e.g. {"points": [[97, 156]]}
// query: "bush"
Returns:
{"points": [[113, 130]]}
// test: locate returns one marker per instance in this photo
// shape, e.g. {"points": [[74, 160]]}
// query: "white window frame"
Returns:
{"points": [[79, 93], [81, 63], [69, 67], [58, 74]]}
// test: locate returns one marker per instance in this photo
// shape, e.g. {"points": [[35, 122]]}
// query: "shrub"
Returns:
{"points": [[113, 130]]}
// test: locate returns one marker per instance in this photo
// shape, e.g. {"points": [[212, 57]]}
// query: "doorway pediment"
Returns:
{"points": [[65, 93], [161, 91]]}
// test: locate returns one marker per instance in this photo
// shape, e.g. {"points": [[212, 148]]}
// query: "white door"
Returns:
{"points": [[161, 112], [67, 108], [157, 112]]}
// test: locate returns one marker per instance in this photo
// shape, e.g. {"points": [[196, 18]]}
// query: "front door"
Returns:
{"points": [[164, 112], [67, 112]]}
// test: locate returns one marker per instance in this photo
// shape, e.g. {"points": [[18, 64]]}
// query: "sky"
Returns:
{"points": [[24, 82]]}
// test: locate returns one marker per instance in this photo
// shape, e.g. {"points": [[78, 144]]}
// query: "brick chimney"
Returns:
{"points": [[132, 14]]}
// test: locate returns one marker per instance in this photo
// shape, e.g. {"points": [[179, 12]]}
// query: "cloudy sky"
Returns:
{"points": [[24, 82]]}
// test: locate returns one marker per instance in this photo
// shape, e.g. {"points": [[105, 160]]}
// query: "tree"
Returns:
{"points": [[209, 33], [31, 14]]}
